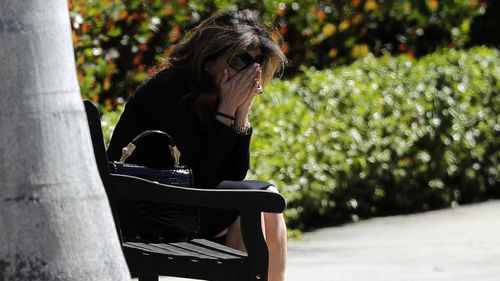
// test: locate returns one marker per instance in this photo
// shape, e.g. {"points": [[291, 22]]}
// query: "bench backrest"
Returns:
{"points": [[94, 120]]}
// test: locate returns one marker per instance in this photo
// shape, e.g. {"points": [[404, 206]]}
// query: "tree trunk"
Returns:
{"points": [[55, 219]]}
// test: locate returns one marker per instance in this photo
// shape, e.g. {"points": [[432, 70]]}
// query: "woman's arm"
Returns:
{"points": [[223, 155], [236, 166]]}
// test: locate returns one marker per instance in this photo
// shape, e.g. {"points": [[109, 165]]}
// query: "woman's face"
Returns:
{"points": [[216, 68]]}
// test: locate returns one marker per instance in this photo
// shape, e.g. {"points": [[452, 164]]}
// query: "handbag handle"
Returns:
{"points": [[129, 149]]}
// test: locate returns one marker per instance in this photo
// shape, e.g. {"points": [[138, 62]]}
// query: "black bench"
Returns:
{"points": [[191, 258]]}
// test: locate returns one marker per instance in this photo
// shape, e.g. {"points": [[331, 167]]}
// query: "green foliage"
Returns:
{"points": [[323, 33], [382, 136], [117, 42], [109, 121]]}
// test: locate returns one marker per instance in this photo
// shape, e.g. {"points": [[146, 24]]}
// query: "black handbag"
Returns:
{"points": [[145, 220]]}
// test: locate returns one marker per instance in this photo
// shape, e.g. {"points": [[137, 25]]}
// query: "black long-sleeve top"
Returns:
{"points": [[214, 151]]}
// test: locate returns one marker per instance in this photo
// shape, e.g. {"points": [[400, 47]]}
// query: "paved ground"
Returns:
{"points": [[452, 244]]}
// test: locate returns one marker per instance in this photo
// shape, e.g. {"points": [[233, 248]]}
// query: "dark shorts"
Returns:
{"points": [[214, 221]]}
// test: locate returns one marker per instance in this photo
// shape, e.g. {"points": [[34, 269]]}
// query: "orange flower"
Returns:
{"points": [[283, 29], [371, 5], [320, 15], [108, 105], [80, 77], [80, 59], [329, 29], [355, 3], [357, 19], [433, 4], [137, 59], [110, 25], [85, 27], [143, 47], [74, 37], [359, 50], [168, 10], [344, 25], [135, 16], [107, 83], [174, 34], [285, 48], [123, 14], [333, 52]]}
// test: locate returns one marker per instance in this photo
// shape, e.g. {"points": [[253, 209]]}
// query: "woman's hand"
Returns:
{"points": [[243, 110], [239, 90]]}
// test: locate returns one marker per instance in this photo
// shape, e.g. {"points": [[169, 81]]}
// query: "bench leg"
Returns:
{"points": [[258, 254], [148, 278]]}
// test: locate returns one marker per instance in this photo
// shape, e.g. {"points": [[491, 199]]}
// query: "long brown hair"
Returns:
{"points": [[225, 33]]}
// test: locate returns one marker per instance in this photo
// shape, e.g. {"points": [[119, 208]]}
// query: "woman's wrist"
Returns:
{"points": [[241, 117], [225, 121], [241, 124]]}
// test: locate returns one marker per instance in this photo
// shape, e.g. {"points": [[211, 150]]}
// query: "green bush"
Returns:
{"points": [[382, 136], [116, 42]]}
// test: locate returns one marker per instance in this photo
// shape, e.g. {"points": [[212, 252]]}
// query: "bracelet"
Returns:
{"points": [[243, 130], [225, 115]]}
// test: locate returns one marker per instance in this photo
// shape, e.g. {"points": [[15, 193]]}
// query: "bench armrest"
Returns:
{"points": [[230, 197]]}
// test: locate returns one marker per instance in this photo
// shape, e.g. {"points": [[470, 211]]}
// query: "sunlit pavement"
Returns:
{"points": [[451, 244]]}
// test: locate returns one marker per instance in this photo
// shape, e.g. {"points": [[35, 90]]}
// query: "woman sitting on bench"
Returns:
{"points": [[201, 95]]}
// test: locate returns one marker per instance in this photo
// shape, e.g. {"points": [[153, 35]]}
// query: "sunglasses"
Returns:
{"points": [[243, 60]]}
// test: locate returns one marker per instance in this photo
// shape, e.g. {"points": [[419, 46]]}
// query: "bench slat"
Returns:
{"points": [[193, 254], [206, 250], [219, 247], [146, 248], [169, 250]]}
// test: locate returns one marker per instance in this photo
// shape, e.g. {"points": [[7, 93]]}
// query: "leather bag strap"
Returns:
{"points": [[129, 149]]}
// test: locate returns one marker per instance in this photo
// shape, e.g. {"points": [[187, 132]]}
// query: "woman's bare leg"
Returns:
{"points": [[276, 238], [234, 238], [274, 229]]}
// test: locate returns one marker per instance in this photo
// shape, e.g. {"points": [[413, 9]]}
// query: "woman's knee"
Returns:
{"points": [[273, 188], [274, 219]]}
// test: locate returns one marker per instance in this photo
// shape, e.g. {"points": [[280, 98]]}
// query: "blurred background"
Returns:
{"points": [[386, 107]]}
